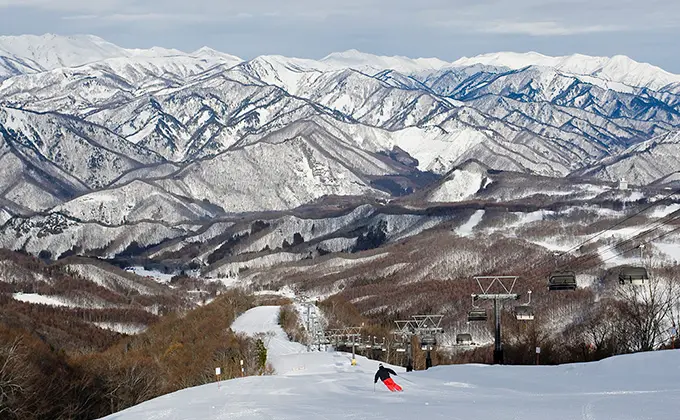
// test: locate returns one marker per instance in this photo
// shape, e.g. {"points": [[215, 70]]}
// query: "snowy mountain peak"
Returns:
{"points": [[54, 38], [51, 51], [211, 53], [347, 54], [511, 60], [360, 60], [618, 68], [31, 53]]}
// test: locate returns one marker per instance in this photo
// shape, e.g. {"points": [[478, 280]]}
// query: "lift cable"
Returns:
{"points": [[638, 234], [617, 224]]}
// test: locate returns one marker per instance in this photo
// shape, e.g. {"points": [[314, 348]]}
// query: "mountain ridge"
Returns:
{"points": [[209, 134]]}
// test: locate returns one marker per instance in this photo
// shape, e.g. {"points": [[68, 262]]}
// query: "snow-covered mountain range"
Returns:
{"points": [[94, 133]]}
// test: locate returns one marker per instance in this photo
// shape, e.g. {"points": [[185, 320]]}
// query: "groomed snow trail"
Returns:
{"points": [[264, 320], [324, 385]]}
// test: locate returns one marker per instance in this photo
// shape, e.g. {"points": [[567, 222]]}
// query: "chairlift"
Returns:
{"points": [[477, 315], [379, 346], [636, 276], [524, 312], [400, 344], [427, 342], [562, 280], [464, 339]]}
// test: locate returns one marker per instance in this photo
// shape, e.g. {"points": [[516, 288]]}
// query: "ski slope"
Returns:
{"points": [[264, 320], [324, 385]]}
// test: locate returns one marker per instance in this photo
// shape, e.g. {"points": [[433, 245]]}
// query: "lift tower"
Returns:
{"points": [[505, 285], [406, 330], [427, 326]]}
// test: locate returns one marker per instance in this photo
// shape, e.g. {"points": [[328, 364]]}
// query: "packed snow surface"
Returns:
{"points": [[264, 320], [466, 229], [324, 385]]}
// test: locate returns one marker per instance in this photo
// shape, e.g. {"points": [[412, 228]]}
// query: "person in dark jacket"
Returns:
{"points": [[383, 374]]}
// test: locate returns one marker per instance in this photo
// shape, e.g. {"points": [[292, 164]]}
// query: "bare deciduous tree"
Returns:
{"points": [[16, 380], [649, 311]]}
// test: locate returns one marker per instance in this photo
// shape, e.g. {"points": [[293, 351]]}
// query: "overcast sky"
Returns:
{"points": [[646, 30]]}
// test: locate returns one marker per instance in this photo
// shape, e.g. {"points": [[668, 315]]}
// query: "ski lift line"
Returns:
{"points": [[617, 254], [641, 233], [585, 258], [663, 235], [588, 257], [651, 227], [621, 222]]}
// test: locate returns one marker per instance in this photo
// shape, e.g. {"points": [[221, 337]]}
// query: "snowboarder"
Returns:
{"points": [[384, 374]]}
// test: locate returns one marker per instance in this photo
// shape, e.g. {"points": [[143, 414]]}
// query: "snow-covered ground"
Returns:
{"points": [[121, 327], [466, 229], [460, 186], [264, 320], [44, 300], [153, 274], [61, 301], [633, 387], [324, 385]]}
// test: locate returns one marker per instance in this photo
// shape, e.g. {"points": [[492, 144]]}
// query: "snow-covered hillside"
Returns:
{"points": [[50, 51], [325, 385], [461, 184], [263, 321], [619, 68], [187, 137], [654, 160]]}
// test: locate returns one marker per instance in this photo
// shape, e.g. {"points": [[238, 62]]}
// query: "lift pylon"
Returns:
{"points": [[498, 289]]}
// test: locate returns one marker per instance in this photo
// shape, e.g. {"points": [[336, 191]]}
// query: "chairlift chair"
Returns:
{"points": [[477, 315], [562, 280], [464, 339], [427, 341], [524, 312], [380, 346], [636, 276]]}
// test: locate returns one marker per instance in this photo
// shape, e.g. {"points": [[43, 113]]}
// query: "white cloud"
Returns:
{"points": [[533, 17], [83, 7], [80, 17], [160, 17], [546, 28]]}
